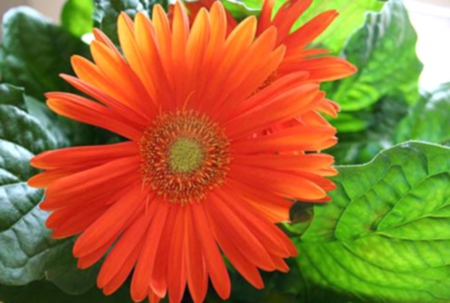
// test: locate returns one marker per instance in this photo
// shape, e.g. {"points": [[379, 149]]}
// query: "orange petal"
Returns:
{"points": [[121, 109], [83, 110], [213, 259], [242, 264], [279, 109], [132, 238], [323, 69], [283, 184], [84, 155], [176, 267], [270, 206], [287, 15], [87, 261], [298, 138], [196, 272], [109, 226], [89, 179], [235, 229], [147, 257], [307, 33]]}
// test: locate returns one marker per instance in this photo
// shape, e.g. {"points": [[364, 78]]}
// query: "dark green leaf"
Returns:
{"points": [[384, 52], [27, 252], [35, 51], [77, 15], [380, 122], [428, 119], [45, 292], [17, 126], [12, 96], [107, 11]]}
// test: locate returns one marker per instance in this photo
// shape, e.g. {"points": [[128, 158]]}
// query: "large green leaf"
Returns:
{"points": [[27, 252], [385, 237], [106, 13], [45, 292], [428, 119], [76, 16], [379, 123], [384, 52], [34, 52]]}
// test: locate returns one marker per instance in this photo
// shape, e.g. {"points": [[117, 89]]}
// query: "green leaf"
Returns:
{"points": [[107, 12], [428, 119], [12, 96], [384, 52], [386, 236], [33, 54], [76, 16], [35, 51], [242, 9], [351, 17], [27, 252], [379, 121], [45, 292]]}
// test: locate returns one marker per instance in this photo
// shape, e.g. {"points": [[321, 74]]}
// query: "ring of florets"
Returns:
{"points": [[184, 155]]}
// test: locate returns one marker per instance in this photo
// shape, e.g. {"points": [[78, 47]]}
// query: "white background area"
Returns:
{"points": [[431, 18]]}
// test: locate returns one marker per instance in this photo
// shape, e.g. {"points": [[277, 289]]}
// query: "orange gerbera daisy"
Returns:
{"points": [[192, 178]]}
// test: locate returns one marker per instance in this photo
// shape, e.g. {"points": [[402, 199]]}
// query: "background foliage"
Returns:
{"points": [[385, 237]]}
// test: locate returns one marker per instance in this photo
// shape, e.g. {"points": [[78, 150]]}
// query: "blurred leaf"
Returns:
{"points": [[45, 292], [27, 252], [380, 120], [12, 95], [384, 52], [428, 119], [35, 51], [350, 122], [351, 17], [77, 15], [107, 12], [242, 9]]}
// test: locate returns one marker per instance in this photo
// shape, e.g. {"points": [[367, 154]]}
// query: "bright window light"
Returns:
{"points": [[431, 18]]}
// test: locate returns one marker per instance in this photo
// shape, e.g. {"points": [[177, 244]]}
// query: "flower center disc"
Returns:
{"points": [[184, 154]]}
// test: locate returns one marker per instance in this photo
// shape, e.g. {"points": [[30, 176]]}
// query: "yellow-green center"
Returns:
{"points": [[185, 155]]}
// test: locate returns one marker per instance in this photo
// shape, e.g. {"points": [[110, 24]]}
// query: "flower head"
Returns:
{"points": [[198, 174]]}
